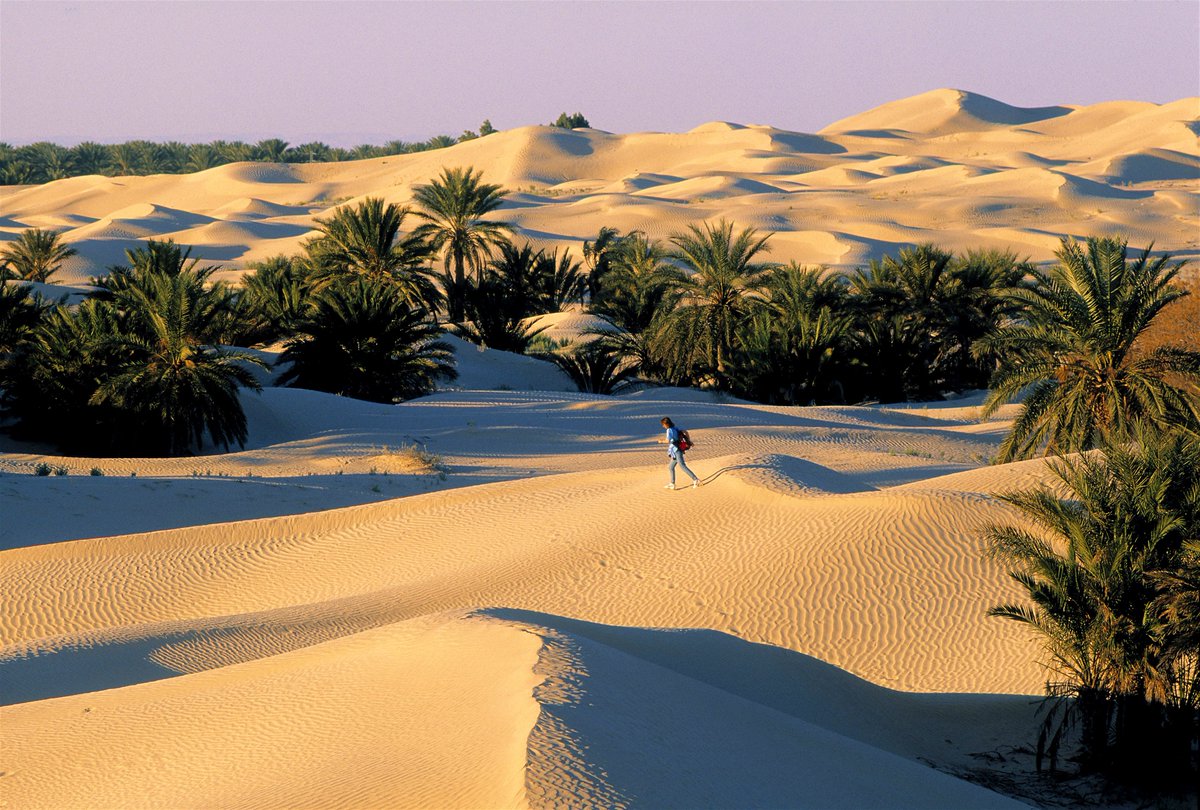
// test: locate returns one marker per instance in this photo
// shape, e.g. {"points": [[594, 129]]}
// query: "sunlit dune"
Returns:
{"points": [[947, 166], [485, 597]]}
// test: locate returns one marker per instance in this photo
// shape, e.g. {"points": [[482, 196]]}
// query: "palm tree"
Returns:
{"points": [[126, 285], [494, 317], [312, 152], [513, 272], [598, 256], [35, 255], [595, 367], [362, 339], [132, 368], [202, 156], [901, 305], [791, 349], [718, 292], [975, 302], [18, 172], [152, 158], [175, 387], [440, 142], [1072, 356], [271, 150], [560, 283], [52, 161], [172, 156], [453, 206], [637, 282], [278, 295], [89, 158], [365, 240], [156, 257], [20, 313], [55, 372], [1178, 610], [124, 159], [233, 151], [647, 355], [1092, 564], [365, 150], [794, 287]]}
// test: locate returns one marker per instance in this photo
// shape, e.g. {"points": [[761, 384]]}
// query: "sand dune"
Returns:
{"points": [[529, 710], [765, 567], [485, 597], [429, 713], [942, 111], [803, 542], [1113, 168]]}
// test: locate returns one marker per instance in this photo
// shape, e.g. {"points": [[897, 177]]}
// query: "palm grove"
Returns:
{"points": [[43, 161], [1112, 570]]}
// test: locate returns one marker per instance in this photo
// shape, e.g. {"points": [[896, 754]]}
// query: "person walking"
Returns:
{"points": [[675, 453]]}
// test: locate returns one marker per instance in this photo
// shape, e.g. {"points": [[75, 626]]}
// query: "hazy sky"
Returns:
{"points": [[349, 72]]}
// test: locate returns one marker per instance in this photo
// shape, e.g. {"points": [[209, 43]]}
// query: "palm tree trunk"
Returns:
{"points": [[1095, 709], [457, 296]]}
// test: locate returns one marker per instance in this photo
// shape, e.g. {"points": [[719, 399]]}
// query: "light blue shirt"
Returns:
{"points": [[673, 442]]}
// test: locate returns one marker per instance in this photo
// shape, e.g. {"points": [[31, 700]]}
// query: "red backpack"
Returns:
{"points": [[685, 442]]}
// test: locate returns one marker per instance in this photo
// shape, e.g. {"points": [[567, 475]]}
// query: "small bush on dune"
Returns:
{"points": [[421, 456], [572, 121]]}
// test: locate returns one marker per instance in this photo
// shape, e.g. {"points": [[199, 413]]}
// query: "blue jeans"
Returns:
{"points": [[683, 464]]}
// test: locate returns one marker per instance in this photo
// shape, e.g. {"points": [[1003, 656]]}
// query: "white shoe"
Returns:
{"points": [[695, 484], [669, 486]]}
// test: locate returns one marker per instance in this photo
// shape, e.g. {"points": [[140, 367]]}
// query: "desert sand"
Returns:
{"points": [[948, 166], [485, 597], [532, 621]]}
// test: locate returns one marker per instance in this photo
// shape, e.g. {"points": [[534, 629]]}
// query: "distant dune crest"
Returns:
{"points": [[945, 111]]}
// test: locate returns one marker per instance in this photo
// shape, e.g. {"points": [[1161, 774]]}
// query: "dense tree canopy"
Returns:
{"points": [[364, 339], [704, 308]]}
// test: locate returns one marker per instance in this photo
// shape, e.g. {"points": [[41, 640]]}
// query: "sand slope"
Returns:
{"points": [[956, 167], [238, 650], [485, 597], [498, 709], [428, 713]]}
